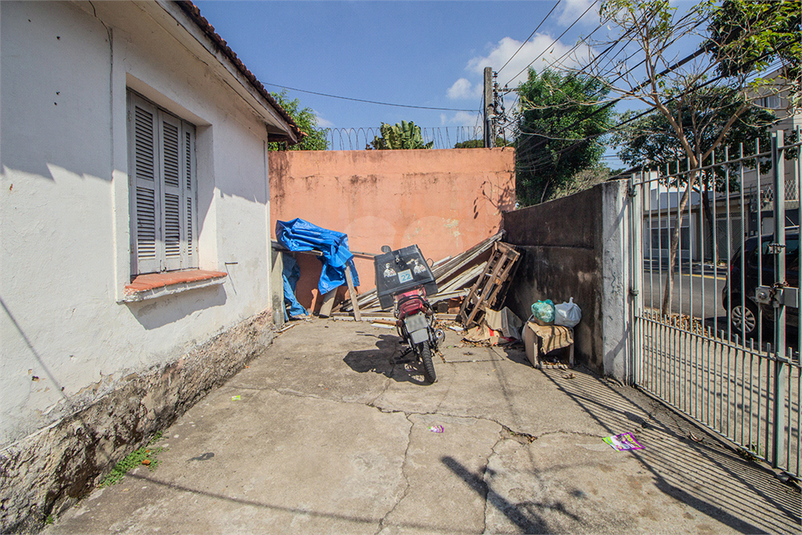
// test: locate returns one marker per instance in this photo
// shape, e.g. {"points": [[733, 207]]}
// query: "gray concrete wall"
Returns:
{"points": [[575, 247]]}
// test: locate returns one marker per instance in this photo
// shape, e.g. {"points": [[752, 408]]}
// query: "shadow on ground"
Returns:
{"points": [[387, 359]]}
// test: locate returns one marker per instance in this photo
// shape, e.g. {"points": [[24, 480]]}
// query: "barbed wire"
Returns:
{"points": [[360, 138]]}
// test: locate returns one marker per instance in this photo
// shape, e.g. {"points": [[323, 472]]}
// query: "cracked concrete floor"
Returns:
{"points": [[332, 433]]}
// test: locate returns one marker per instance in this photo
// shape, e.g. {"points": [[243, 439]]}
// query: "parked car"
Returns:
{"points": [[742, 313]]}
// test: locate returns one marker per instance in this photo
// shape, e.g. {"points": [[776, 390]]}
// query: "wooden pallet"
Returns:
{"points": [[491, 287]]}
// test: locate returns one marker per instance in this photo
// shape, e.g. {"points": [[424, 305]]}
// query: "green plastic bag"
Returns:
{"points": [[543, 311]]}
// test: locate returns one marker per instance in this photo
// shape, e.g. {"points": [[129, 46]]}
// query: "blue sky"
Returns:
{"points": [[418, 53]]}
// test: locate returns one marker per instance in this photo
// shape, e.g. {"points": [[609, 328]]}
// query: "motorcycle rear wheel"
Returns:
{"points": [[428, 365]]}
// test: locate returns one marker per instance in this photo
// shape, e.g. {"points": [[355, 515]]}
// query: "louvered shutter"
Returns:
{"points": [[171, 173], [146, 228], [189, 247], [163, 190]]}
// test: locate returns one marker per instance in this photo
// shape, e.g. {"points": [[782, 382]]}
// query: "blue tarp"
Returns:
{"points": [[291, 274], [300, 235]]}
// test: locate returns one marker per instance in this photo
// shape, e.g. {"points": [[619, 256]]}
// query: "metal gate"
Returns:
{"points": [[720, 341]]}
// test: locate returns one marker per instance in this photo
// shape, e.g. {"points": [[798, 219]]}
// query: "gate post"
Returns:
{"points": [[635, 252], [780, 368]]}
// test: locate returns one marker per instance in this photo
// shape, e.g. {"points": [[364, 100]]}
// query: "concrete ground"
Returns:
{"points": [[331, 433]]}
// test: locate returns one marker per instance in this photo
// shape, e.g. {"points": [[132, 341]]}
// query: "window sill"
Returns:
{"points": [[154, 285]]}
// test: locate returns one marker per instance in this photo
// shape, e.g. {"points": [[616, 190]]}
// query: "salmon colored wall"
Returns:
{"points": [[445, 201]]}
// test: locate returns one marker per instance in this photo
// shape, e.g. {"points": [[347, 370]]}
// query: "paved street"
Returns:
{"points": [[328, 432], [694, 294]]}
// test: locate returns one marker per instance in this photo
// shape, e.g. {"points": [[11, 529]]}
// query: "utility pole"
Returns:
{"points": [[487, 106]]}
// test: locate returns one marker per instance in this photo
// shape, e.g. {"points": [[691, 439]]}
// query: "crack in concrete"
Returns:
{"points": [[574, 433], [485, 473], [404, 475], [448, 390], [387, 381], [510, 430], [295, 393]]}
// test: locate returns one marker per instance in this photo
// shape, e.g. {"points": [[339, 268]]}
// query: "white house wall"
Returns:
{"points": [[67, 337]]}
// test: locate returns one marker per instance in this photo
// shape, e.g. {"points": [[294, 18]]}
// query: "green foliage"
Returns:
{"points": [[743, 38], [403, 135], [582, 180], [471, 144], [652, 142], [559, 132], [750, 35], [50, 520], [306, 120], [134, 459], [654, 17], [480, 143]]}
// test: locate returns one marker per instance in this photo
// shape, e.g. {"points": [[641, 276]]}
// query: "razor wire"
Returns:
{"points": [[360, 138]]}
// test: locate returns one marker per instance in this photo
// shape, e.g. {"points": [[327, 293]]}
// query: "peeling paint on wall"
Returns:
{"points": [[50, 470]]}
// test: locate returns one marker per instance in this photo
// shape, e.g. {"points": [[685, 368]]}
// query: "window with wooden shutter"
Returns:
{"points": [[163, 187]]}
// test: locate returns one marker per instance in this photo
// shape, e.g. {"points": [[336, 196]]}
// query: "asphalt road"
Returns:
{"points": [[695, 294], [698, 294]]}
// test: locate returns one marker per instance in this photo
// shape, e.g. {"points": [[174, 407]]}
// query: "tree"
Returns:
{"points": [[584, 179], [749, 35], [558, 132], [480, 143], [649, 31], [651, 142], [305, 118], [403, 135]]}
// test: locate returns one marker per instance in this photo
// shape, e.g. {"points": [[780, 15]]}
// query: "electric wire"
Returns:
{"points": [[530, 36], [364, 100], [556, 40], [543, 160], [613, 102]]}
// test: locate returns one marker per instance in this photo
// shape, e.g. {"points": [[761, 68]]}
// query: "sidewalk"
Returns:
{"points": [[332, 435]]}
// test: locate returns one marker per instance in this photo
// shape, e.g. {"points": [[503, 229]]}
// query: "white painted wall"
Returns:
{"points": [[64, 223]]}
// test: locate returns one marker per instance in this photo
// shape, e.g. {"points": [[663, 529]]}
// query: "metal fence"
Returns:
{"points": [[720, 341]]}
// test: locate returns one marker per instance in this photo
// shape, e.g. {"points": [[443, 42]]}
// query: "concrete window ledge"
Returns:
{"points": [[154, 285]]}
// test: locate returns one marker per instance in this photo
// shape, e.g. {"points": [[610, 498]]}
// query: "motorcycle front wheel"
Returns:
{"points": [[428, 366]]}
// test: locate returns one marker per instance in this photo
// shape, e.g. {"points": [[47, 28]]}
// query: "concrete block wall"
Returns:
{"points": [[575, 247]]}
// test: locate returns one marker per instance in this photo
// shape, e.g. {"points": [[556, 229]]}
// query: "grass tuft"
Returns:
{"points": [[145, 455]]}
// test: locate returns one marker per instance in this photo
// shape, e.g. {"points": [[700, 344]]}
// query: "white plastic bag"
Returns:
{"points": [[567, 314]]}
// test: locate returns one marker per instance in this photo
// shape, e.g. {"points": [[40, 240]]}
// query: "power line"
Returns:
{"points": [[556, 40], [365, 101], [593, 138], [530, 36], [669, 69]]}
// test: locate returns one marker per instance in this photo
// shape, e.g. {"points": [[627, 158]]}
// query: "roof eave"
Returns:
{"points": [[285, 129]]}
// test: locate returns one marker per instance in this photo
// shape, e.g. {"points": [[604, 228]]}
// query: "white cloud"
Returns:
{"points": [[539, 53], [460, 118], [321, 122], [463, 89], [574, 8], [542, 49]]}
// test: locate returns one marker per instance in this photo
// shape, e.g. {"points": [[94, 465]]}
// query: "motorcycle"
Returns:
{"points": [[403, 279]]}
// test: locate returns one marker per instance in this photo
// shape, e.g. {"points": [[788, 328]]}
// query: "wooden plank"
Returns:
{"points": [[328, 303], [352, 293], [462, 259], [443, 269]]}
